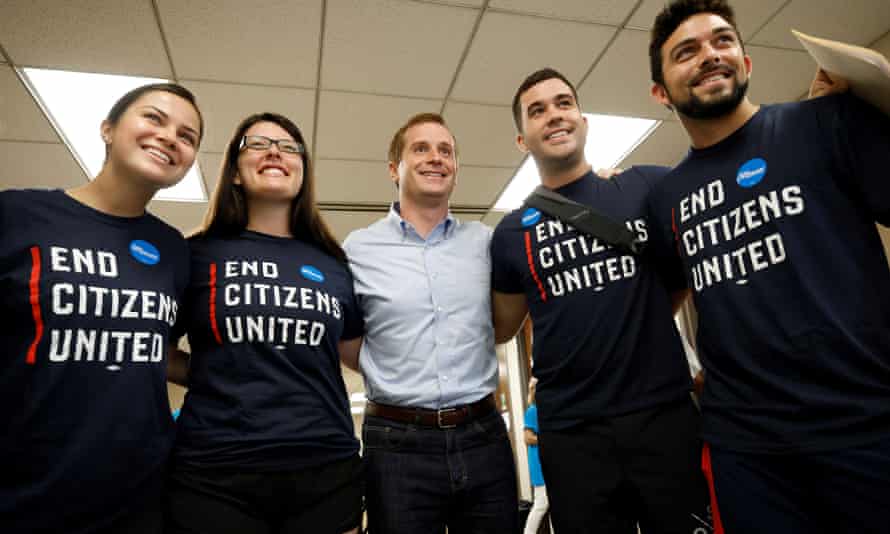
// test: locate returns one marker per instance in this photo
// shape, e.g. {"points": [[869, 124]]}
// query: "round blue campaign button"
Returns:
{"points": [[312, 274], [530, 217], [144, 252], [751, 173]]}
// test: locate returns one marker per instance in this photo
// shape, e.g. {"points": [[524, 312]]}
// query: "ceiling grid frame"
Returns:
{"points": [[450, 80], [463, 55], [321, 33]]}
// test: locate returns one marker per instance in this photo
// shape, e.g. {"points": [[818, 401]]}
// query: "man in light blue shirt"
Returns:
{"points": [[436, 449]]}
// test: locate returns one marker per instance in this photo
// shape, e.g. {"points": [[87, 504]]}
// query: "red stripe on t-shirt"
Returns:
{"points": [[674, 228], [531, 265], [34, 298], [709, 475], [213, 304]]}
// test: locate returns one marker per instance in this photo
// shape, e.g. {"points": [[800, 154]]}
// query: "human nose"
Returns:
{"points": [[435, 156], [167, 136], [273, 149], [554, 116], [709, 54]]}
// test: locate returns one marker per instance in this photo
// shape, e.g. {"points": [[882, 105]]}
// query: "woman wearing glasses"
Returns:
{"points": [[90, 285], [265, 440]]}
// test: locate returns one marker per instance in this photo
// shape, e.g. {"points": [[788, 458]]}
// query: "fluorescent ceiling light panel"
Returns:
{"points": [[610, 139], [357, 397], [77, 102]]}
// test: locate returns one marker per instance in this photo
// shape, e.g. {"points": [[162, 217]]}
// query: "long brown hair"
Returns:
{"points": [[227, 214]]}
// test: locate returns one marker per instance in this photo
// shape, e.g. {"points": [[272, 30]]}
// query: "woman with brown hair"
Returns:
{"points": [[265, 441], [90, 284]]}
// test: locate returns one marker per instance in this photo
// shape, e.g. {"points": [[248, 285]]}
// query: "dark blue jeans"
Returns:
{"points": [[421, 479]]}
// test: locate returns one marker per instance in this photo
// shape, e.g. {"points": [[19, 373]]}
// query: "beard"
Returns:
{"points": [[696, 108]]}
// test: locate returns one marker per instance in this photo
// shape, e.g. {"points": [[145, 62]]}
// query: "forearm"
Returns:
{"points": [[349, 352], [508, 313], [177, 366]]}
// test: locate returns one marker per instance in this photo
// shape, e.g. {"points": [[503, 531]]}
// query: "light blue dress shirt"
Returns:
{"points": [[429, 340]]}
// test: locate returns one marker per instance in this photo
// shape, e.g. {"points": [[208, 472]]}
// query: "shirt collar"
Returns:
{"points": [[448, 224]]}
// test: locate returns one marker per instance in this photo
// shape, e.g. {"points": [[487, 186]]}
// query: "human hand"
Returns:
{"points": [[827, 84], [605, 174]]}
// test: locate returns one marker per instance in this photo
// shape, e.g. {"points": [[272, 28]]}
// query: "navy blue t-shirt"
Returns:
{"points": [[605, 342], [775, 229], [264, 315], [89, 301]]}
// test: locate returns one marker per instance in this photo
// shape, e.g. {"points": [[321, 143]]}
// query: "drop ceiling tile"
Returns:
{"points": [[211, 166], [353, 181], [751, 15], [184, 216], [882, 45], [464, 3], [368, 181], [393, 47], [601, 11], [118, 37], [644, 17], [858, 22], [38, 165], [485, 135], [469, 216], [225, 105], [20, 117], [667, 145], [509, 47], [342, 223], [360, 126], [779, 75], [480, 186], [273, 43], [492, 218], [620, 83]]}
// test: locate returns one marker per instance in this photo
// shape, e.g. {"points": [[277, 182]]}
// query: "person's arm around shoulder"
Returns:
{"points": [[825, 84], [349, 352], [508, 310]]}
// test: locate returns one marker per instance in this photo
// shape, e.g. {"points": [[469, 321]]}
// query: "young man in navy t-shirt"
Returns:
{"points": [[772, 215], [618, 431]]}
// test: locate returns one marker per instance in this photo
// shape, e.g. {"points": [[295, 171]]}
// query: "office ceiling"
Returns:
{"points": [[349, 72]]}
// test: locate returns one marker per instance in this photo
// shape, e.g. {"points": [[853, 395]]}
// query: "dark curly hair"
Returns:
{"points": [[675, 14]]}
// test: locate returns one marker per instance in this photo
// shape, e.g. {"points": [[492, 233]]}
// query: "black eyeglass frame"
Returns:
{"points": [[268, 142]]}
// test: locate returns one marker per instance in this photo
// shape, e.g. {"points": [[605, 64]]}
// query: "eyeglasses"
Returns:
{"points": [[261, 142]]}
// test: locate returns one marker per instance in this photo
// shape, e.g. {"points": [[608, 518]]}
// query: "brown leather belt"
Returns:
{"points": [[442, 418]]}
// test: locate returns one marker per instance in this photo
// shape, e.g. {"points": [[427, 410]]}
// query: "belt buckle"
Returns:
{"points": [[439, 422]]}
